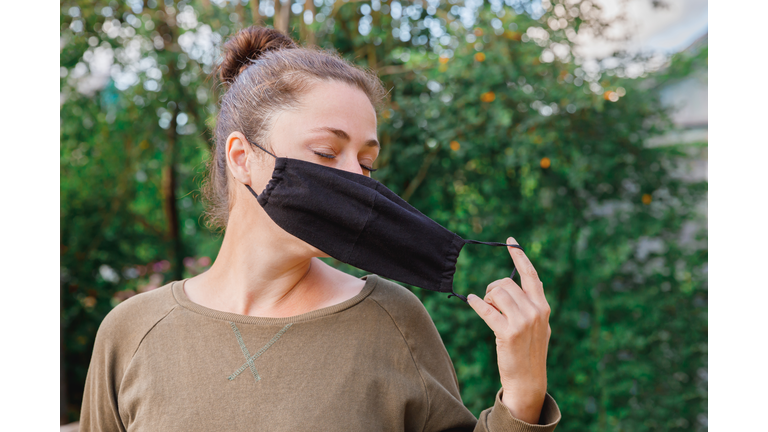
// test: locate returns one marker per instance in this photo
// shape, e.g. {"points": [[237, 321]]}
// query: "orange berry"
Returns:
{"points": [[545, 162], [455, 146], [647, 199], [488, 96], [479, 56]]}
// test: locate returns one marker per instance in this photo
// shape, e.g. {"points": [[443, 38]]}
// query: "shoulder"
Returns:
{"points": [[407, 312], [399, 301], [126, 325], [424, 342], [117, 340]]}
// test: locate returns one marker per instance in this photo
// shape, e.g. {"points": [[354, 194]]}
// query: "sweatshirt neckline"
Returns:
{"points": [[181, 298]]}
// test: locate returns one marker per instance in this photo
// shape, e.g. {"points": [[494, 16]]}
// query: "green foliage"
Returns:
{"points": [[487, 138]]}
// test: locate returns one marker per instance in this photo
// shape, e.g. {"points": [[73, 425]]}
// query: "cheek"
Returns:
{"points": [[261, 174]]}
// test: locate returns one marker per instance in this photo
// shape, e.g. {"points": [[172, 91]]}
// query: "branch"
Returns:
{"points": [[148, 225], [420, 175]]}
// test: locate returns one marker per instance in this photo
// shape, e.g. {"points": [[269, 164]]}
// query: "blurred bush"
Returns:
{"points": [[493, 129]]}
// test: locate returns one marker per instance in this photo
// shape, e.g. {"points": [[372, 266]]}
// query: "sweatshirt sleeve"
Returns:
{"points": [[117, 340], [99, 411], [446, 411], [498, 417]]}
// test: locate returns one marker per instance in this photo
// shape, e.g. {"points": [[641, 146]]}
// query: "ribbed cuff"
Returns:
{"points": [[500, 419]]}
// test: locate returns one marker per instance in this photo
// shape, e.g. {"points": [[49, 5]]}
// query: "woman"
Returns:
{"points": [[270, 337]]}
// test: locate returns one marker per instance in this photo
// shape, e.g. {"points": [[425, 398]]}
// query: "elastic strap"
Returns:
{"points": [[493, 243], [262, 148], [254, 193], [453, 294], [514, 270]]}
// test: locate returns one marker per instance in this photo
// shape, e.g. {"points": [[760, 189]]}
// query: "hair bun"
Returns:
{"points": [[248, 45]]}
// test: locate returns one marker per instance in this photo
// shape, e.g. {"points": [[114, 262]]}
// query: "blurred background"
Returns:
{"points": [[577, 126]]}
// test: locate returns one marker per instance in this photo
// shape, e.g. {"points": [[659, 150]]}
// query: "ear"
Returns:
{"points": [[237, 151]]}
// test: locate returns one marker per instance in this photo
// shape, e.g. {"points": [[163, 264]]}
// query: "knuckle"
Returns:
{"points": [[529, 320], [489, 295], [543, 311], [486, 311], [534, 321], [529, 270]]}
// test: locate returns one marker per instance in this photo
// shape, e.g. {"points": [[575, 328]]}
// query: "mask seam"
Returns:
{"points": [[271, 186], [448, 266], [367, 220]]}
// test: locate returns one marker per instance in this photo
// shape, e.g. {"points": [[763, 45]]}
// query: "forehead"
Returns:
{"points": [[339, 102]]}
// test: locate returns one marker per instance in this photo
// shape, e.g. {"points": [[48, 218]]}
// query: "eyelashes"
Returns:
{"points": [[328, 156]]}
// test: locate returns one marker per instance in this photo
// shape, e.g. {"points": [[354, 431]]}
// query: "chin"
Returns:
{"points": [[305, 247], [320, 254]]}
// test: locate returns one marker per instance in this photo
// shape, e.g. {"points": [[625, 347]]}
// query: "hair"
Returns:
{"points": [[265, 72]]}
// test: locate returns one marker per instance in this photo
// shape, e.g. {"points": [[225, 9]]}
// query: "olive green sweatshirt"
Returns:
{"points": [[372, 363]]}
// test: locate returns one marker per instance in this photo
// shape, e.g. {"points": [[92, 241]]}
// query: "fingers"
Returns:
{"points": [[521, 315], [510, 287], [510, 312], [501, 299], [507, 296], [495, 320], [529, 278], [507, 303]]}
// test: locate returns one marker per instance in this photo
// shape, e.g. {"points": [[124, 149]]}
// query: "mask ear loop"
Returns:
{"points": [[514, 269], [463, 298], [269, 153]]}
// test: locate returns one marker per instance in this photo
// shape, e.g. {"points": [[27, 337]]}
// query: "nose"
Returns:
{"points": [[351, 164]]}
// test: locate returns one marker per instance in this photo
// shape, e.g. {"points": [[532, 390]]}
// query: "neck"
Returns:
{"points": [[261, 271]]}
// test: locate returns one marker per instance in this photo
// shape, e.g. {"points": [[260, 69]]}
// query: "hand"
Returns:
{"points": [[519, 317]]}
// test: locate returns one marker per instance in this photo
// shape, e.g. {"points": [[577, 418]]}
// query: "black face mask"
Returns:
{"points": [[357, 220]]}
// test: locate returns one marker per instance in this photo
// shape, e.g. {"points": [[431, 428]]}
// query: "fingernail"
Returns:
{"points": [[511, 240], [472, 296]]}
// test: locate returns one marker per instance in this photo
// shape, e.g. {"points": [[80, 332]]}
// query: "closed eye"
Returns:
{"points": [[329, 156]]}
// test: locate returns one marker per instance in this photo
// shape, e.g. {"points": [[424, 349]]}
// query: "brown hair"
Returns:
{"points": [[266, 72]]}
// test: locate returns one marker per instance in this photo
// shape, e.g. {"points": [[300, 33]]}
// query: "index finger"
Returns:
{"points": [[529, 278]]}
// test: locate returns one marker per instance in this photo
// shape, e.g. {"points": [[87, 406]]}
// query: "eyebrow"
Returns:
{"points": [[343, 135]]}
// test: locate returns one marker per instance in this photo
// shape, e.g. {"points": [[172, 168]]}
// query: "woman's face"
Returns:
{"points": [[334, 126]]}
